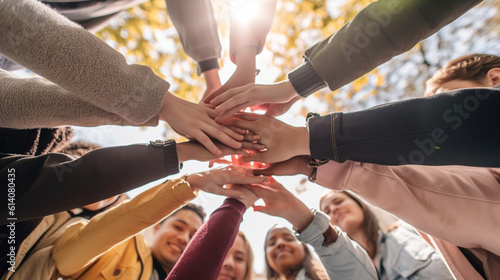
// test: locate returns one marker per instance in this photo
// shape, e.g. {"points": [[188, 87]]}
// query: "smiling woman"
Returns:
{"points": [[287, 258]]}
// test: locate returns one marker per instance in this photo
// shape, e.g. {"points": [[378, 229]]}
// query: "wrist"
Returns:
{"points": [[301, 146], [299, 216]]}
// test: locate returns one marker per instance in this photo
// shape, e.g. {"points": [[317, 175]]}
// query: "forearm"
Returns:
{"points": [[35, 102], [379, 32], [432, 199], [439, 130], [113, 171], [209, 247], [197, 28], [251, 34], [112, 227], [343, 258], [38, 38]]}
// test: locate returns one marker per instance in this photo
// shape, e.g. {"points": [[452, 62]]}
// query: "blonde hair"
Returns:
{"points": [[249, 258]]}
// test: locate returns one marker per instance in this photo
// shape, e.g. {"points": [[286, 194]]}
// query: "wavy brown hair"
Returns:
{"points": [[370, 222], [472, 67]]}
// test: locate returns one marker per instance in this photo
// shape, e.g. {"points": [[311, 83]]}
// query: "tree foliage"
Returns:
{"points": [[145, 35]]}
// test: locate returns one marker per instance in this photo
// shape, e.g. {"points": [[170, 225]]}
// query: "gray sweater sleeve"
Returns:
{"points": [[195, 23], [31, 103], [379, 32], [45, 42]]}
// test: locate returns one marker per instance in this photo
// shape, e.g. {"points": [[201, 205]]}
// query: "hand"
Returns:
{"points": [[282, 203], [234, 100], [276, 109], [197, 121], [250, 196], [193, 150], [281, 140], [293, 166], [244, 73], [214, 180]]}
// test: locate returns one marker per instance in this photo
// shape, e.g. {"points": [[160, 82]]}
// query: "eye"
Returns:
{"points": [[179, 228]]}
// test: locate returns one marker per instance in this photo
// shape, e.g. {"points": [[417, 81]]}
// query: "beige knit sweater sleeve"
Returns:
{"points": [[93, 84]]}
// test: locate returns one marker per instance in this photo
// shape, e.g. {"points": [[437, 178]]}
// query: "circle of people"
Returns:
{"points": [[430, 161]]}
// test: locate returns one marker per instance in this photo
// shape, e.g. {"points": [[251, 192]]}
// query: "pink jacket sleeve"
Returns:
{"points": [[205, 254], [454, 203]]}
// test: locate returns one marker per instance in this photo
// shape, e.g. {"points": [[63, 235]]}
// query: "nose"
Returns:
{"points": [[332, 211], [183, 237], [228, 263]]}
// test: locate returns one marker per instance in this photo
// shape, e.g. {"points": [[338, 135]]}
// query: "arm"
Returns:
{"points": [[434, 199], [35, 102], [443, 129], [92, 70], [379, 32], [114, 170], [109, 228], [343, 258], [209, 247], [199, 37], [72, 253]]}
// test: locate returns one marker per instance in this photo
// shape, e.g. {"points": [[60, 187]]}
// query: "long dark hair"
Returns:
{"points": [[370, 222], [312, 266]]}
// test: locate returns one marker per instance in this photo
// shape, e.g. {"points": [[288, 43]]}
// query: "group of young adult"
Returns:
{"points": [[395, 156]]}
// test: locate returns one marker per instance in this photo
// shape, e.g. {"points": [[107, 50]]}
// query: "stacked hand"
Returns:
{"points": [[275, 98], [196, 121], [281, 140]]}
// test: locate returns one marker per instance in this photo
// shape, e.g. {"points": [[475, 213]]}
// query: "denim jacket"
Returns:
{"points": [[402, 254]]}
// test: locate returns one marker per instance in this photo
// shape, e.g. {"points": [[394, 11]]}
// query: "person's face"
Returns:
{"points": [[343, 212], [171, 237], [458, 84], [283, 250], [235, 264]]}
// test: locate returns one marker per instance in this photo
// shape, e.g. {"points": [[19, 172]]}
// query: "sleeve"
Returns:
{"points": [[35, 102], [379, 32], [84, 242], [197, 28], [342, 259], [458, 127], [57, 182], [208, 248], [447, 202], [244, 33], [59, 50]]}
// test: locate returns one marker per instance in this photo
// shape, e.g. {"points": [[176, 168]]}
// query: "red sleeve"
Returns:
{"points": [[205, 254]]}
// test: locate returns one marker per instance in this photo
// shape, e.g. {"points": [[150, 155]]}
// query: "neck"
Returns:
{"points": [[360, 237]]}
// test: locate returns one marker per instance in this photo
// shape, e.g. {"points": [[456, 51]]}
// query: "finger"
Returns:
{"points": [[207, 143], [247, 180], [231, 133], [225, 114], [220, 136], [230, 193], [251, 137], [249, 116], [210, 112], [263, 172], [238, 130], [253, 146], [223, 97]]}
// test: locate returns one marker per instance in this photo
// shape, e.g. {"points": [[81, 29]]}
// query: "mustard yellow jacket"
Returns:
{"points": [[109, 245]]}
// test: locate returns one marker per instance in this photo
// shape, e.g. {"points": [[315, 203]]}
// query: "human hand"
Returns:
{"points": [[193, 150], [236, 99], [197, 121], [293, 166], [250, 196], [282, 203], [244, 73], [213, 181], [282, 141]]}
